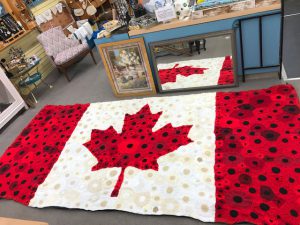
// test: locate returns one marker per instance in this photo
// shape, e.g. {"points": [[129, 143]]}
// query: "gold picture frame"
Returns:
{"points": [[127, 67]]}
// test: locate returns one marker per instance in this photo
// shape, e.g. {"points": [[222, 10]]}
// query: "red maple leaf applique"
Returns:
{"points": [[137, 146], [169, 75]]}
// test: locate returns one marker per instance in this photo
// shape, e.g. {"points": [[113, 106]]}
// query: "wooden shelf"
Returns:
{"points": [[5, 45], [183, 23]]}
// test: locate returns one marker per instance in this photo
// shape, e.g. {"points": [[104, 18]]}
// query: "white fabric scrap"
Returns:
{"points": [[48, 15], [54, 10], [87, 26], [40, 19], [59, 7], [81, 22], [83, 32], [71, 29]]}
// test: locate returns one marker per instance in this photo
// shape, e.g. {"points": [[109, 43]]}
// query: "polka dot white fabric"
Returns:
{"points": [[183, 185]]}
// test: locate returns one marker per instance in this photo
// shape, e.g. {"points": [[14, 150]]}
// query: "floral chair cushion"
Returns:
{"points": [[70, 53], [55, 41]]}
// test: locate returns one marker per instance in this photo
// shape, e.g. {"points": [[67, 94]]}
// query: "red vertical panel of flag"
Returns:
{"points": [[257, 169], [226, 73], [27, 162]]}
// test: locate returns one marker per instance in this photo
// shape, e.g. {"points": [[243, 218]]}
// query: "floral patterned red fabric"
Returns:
{"points": [[137, 146], [27, 162], [226, 73], [257, 169], [169, 75]]}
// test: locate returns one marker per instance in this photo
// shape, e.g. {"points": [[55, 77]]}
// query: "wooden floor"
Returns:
{"points": [[8, 221]]}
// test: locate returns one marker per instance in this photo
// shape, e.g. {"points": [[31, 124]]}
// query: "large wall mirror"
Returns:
{"points": [[195, 62]]}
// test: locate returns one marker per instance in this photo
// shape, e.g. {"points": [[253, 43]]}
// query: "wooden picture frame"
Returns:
{"points": [[127, 67]]}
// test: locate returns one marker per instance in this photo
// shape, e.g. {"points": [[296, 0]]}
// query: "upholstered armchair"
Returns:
{"points": [[64, 51]]}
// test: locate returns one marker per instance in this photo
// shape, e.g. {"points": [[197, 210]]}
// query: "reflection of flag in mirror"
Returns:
{"points": [[186, 68], [169, 75], [227, 72]]}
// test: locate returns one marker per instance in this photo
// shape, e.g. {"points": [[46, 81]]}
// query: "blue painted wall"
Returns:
{"points": [[271, 38], [270, 42]]}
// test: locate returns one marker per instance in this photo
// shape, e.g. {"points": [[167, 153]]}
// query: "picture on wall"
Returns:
{"points": [[127, 67]]}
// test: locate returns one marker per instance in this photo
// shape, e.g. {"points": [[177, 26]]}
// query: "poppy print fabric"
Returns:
{"points": [[170, 75], [257, 156], [27, 162], [217, 157]]}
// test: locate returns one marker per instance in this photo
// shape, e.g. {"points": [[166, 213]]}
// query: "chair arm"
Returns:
{"points": [[73, 42]]}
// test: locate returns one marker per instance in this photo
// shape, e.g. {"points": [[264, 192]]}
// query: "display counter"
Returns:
{"points": [[191, 22], [271, 24]]}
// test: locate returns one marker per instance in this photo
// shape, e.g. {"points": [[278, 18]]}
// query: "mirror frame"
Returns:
{"points": [[230, 33]]}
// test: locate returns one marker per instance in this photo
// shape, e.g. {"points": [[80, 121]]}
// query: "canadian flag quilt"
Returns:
{"points": [[217, 157]]}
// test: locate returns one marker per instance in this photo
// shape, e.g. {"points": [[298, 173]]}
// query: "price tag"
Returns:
{"points": [[165, 13]]}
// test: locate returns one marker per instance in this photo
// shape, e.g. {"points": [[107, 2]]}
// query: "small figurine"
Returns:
{"points": [[183, 9], [16, 55]]}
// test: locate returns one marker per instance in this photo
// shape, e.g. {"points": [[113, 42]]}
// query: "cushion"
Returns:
{"points": [[70, 53], [54, 41]]}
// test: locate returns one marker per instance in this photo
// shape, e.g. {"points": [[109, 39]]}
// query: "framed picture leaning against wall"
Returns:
{"points": [[127, 67]]}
